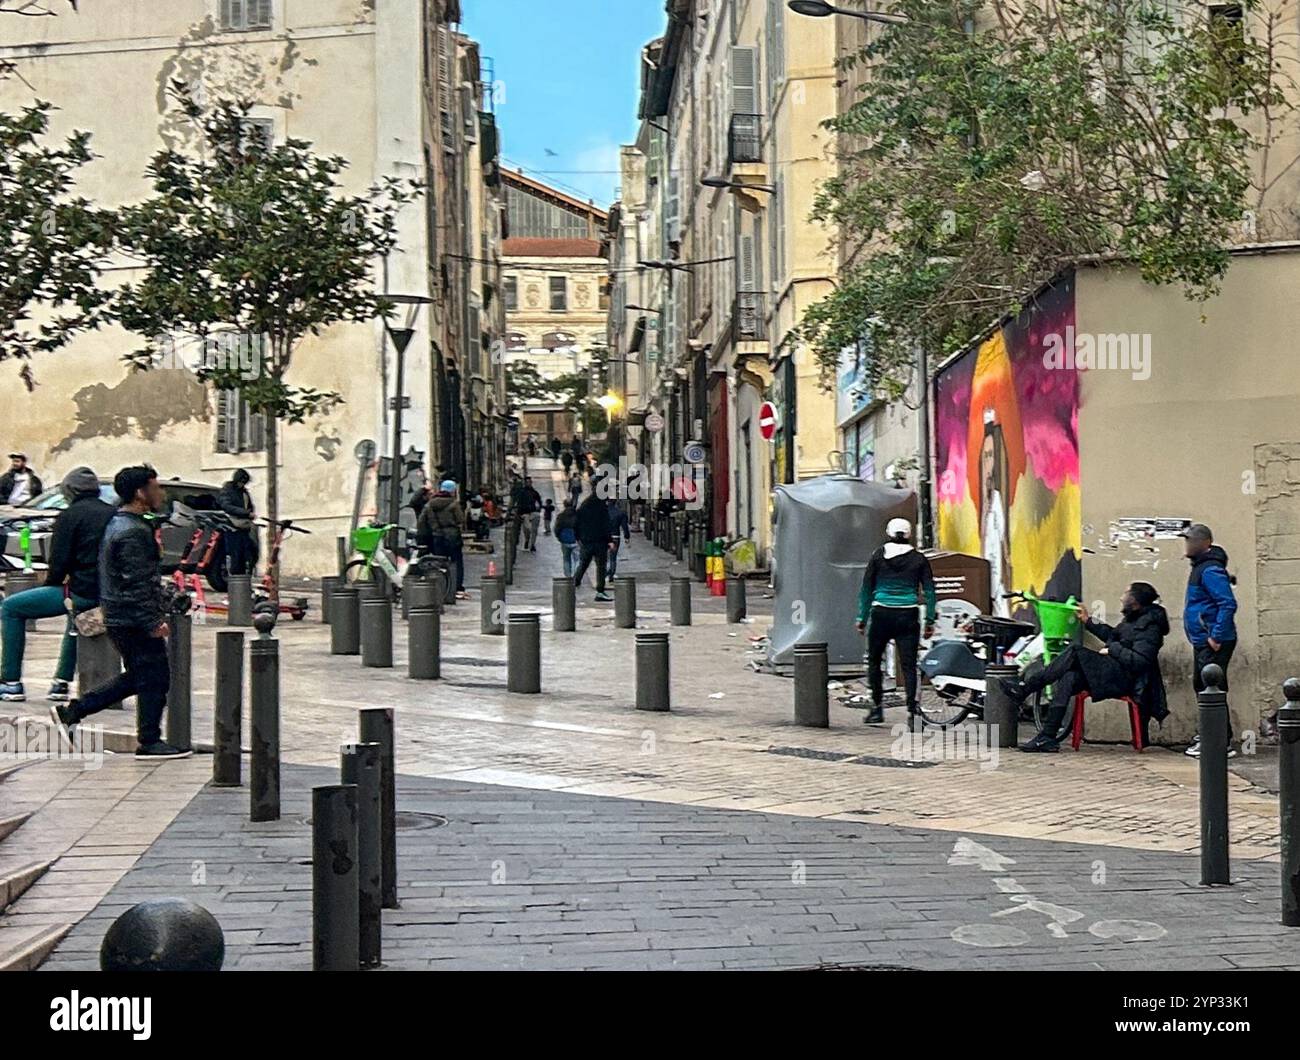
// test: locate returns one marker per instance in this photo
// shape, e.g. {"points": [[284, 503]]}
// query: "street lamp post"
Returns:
{"points": [[821, 9], [401, 339]]}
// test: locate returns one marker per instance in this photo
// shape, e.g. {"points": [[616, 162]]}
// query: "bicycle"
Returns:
{"points": [[369, 541], [954, 670]]}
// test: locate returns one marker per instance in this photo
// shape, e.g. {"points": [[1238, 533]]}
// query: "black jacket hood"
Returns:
{"points": [[1213, 554]]}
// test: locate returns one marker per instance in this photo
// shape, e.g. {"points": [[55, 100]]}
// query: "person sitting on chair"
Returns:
{"points": [[1128, 665]]}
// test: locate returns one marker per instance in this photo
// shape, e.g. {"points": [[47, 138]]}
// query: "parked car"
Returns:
{"points": [[179, 498]]}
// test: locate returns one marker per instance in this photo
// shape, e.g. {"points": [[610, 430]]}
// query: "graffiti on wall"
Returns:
{"points": [[1007, 455]]}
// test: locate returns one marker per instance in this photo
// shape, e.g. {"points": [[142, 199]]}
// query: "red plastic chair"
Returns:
{"points": [[1134, 718]]}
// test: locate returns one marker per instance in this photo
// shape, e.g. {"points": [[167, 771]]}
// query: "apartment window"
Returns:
{"points": [[512, 293], [1228, 26], [559, 294], [239, 428], [239, 16]]}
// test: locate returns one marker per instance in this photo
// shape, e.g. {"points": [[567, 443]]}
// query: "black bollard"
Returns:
{"points": [[1212, 706], [811, 701], [227, 709], [376, 631], [563, 605], [735, 599], [1288, 770], [510, 552], [625, 603], [335, 894], [362, 766], [679, 597], [424, 641], [239, 600], [1001, 712], [376, 726], [701, 555], [524, 654], [163, 935], [423, 592], [327, 587], [342, 554], [345, 621], [492, 605], [264, 717], [180, 692], [653, 687], [679, 540]]}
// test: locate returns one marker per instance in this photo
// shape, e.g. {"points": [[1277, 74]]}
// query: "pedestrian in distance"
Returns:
{"points": [[566, 533], [548, 514], [20, 483], [71, 586], [896, 578], [1128, 665], [130, 593], [593, 542], [566, 459], [1209, 613], [555, 450], [237, 503], [440, 532], [618, 525]]}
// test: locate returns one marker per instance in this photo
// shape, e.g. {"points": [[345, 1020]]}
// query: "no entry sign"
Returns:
{"points": [[768, 420]]}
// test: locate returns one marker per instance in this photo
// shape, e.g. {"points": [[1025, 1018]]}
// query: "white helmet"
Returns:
{"points": [[898, 526]]}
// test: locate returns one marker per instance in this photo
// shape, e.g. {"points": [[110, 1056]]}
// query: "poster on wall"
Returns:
{"points": [[1007, 455]]}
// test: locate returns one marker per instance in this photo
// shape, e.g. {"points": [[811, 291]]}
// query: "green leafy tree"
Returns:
{"points": [[525, 385], [53, 244], [256, 240], [999, 142]]}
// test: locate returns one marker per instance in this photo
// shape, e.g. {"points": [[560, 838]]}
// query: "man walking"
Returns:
{"points": [[20, 483], [235, 500], [532, 513], [72, 578], [566, 533], [440, 532], [593, 541], [130, 592], [1208, 613], [896, 577], [618, 524]]}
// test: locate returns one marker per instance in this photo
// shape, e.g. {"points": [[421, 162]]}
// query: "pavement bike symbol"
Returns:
{"points": [[1058, 917]]}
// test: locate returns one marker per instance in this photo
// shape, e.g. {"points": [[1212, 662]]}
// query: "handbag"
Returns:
{"points": [[88, 623]]}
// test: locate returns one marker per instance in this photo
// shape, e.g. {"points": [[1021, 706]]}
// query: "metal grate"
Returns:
{"points": [[852, 759]]}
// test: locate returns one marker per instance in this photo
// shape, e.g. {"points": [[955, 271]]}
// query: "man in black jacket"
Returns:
{"points": [[130, 592], [72, 572], [235, 500], [1128, 665], [593, 541], [20, 483]]}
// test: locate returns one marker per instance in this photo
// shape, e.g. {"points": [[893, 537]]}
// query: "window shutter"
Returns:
{"points": [[222, 445], [444, 59], [747, 274], [671, 227], [744, 80]]}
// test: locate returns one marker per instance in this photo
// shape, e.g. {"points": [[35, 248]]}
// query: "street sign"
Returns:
{"points": [[406, 402], [768, 420], [693, 453], [654, 422]]}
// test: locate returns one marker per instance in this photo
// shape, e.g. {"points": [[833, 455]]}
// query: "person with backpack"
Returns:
{"points": [[566, 533], [1209, 611], [440, 531], [71, 586]]}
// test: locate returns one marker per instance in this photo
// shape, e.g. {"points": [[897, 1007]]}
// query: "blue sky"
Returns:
{"points": [[568, 72]]}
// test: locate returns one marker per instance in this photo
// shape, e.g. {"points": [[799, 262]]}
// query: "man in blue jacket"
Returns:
{"points": [[1208, 612]]}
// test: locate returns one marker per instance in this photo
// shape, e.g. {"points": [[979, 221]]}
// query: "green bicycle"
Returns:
{"points": [[369, 542]]}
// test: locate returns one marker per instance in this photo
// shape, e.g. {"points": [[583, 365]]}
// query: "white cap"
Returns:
{"points": [[898, 526]]}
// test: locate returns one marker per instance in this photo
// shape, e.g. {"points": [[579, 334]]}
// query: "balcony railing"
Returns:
{"points": [[745, 139], [750, 317]]}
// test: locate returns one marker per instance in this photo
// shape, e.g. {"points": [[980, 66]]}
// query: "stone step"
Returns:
{"points": [[13, 882], [10, 768], [119, 741], [25, 949], [9, 825]]}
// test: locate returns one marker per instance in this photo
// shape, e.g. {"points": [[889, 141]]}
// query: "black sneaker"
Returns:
{"points": [[64, 719], [1041, 744], [1017, 691], [876, 716], [159, 749], [604, 598]]}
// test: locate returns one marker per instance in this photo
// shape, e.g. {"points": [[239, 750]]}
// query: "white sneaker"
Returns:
{"points": [[1194, 750]]}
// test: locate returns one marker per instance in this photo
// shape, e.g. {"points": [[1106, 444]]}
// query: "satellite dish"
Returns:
{"points": [[365, 451]]}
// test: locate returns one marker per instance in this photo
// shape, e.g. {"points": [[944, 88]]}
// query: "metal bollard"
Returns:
{"points": [[492, 605], [563, 605], [1213, 709], [1001, 712], [19, 582], [424, 641], [345, 621], [376, 632], [376, 726], [524, 653], [180, 693], [335, 902], [227, 709], [342, 553], [1288, 769], [625, 603], [679, 596], [423, 592], [510, 553], [653, 688], [264, 716], [679, 540], [811, 700], [701, 555], [735, 599], [327, 587], [239, 600], [362, 766]]}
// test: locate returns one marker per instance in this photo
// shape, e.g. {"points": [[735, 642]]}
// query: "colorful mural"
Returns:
{"points": [[1007, 455]]}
